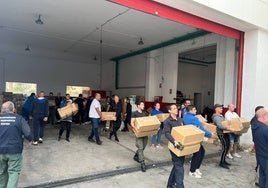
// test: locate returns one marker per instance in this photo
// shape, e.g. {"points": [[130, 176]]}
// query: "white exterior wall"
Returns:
{"points": [[239, 15]]}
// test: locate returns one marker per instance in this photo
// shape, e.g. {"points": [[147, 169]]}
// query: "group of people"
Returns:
{"points": [[14, 126]]}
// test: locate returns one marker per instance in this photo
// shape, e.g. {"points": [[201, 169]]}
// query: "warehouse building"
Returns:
{"points": [[211, 51]]}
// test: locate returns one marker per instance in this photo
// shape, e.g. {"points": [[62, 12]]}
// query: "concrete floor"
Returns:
{"points": [[80, 163]]}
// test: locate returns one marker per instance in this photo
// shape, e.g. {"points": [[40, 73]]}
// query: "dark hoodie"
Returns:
{"points": [[260, 137]]}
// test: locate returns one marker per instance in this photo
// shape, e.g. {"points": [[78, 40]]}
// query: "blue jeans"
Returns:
{"points": [[95, 126], [177, 173], [38, 127], [263, 171], [157, 137]]}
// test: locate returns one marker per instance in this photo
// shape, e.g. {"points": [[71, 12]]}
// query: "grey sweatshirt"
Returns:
{"points": [[217, 119]]}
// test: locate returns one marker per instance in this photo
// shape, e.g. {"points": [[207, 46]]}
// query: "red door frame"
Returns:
{"points": [[158, 9]]}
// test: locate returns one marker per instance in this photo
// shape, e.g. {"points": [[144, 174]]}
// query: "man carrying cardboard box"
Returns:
{"points": [[141, 142], [197, 157], [177, 173], [95, 116], [234, 138], [224, 137]]}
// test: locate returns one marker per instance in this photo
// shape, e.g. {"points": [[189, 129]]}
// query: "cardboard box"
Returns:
{"points": [[213, 129], [187, 135], [162, 117], [186, 150], [144, 133], [51, 102], [241, 125], [201, 118], [108, 116], [68, 110], [148, 123]]}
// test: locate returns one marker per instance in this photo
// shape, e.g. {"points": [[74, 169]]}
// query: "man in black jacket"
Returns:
{"points": [[12, 129]]}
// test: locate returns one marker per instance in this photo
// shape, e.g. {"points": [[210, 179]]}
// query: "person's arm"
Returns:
{"points": [[167, 131], [217, 121], [98, 111], [46, 111], [26, 130]]}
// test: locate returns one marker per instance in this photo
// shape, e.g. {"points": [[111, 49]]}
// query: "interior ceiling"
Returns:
{"points": [[76, 27], [200, 56]]}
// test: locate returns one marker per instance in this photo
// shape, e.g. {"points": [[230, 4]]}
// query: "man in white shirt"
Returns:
{"points": [[95, 116], [234, 138]]}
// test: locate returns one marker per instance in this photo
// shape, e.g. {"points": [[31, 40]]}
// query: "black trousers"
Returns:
{"points": [[116, 125], [197, 159], [65, 125], [225, 142]]}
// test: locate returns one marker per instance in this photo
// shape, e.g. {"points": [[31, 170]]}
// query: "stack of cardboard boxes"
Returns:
{"points": [[189, 136], [146, 126]]}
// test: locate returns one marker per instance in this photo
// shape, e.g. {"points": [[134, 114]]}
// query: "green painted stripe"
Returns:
{"points": [[163, 44]]}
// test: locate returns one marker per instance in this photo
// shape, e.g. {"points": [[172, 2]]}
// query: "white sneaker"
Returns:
{"points": [[198, 172], [35, 143], [194, 174], [40, 140], [236, 155], [229, 156]]}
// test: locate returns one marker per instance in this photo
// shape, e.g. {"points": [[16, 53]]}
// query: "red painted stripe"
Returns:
{"points": [[240, 73], [155, 8]]}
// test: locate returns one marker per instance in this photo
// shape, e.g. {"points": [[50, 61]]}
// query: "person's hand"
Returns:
{"points": [[214, 136], [30, 117], [45, 119], [178, 145]]}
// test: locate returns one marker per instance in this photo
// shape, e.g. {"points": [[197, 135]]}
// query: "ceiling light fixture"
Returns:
{"points": [[39, 21], [140, 42], [27, 48]]}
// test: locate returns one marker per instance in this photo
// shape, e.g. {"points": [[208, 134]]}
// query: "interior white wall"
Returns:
{"points": [[50, 74], [197, 79], [162, 68]]}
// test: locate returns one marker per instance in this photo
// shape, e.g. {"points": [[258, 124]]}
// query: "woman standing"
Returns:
{"points": [[156, 139]]}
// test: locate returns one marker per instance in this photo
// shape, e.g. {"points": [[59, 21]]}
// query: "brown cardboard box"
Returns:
{"points": [[162, 117], [51, 102], [68, 110], [213, 129], [187, 135], [186, 150], [144, 133], [201, 118], [241, 125], [147, 123], [108, 116]]}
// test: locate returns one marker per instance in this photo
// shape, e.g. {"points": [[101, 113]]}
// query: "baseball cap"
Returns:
{"points": [[217, 105]]}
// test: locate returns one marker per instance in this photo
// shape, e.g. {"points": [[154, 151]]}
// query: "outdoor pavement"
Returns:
{"points": [[82, 164]]}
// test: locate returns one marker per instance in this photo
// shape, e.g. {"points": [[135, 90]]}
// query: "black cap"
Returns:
{"points": [[217, 105]]}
